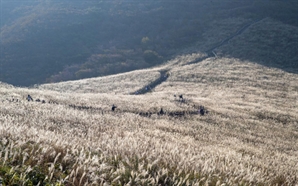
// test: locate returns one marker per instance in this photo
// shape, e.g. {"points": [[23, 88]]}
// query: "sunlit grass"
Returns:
{"points": [[248, 138]]}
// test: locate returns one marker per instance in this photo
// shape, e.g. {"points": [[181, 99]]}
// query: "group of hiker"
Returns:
{"points": [[202, 111], [29, 98]]}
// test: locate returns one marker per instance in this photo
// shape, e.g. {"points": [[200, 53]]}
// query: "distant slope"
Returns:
{"points": [[244, 43], [57, 41], [51, 41], [269, 43]]}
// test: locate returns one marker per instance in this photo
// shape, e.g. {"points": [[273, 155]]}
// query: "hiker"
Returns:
{"points": [[202, 110], [29, 98], [181, 97], [113, 108], [161, 112]]}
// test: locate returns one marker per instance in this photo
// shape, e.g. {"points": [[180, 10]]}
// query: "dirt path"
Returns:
{"points": [[210, 53], [163, 77]]}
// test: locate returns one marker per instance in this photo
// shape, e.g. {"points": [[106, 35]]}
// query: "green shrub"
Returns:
{"points": [[145, 40], [152, 57]]}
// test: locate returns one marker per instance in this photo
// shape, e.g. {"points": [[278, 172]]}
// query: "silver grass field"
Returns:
{"points": [[248, 137]]}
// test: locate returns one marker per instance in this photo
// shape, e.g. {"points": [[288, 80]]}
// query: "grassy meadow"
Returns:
{"points": [[113, 84], [248, 137]]}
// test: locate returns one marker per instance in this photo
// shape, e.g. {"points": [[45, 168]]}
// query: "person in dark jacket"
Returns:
{"points": [[29, 98], [181, 97], [113, 108], [202, 110], [161, 112]]}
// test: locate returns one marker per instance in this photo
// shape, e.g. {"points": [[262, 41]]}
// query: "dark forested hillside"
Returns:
{"points": [[50, 41]]}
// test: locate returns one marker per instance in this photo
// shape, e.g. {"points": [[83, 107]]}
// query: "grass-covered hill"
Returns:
{"points": [[248, 136], [222, 112], [52, 41]]}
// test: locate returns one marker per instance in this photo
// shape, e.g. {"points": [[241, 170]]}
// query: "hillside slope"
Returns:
{"points": [[267, 42], [264, 41], [53, 41], [249, 135]]}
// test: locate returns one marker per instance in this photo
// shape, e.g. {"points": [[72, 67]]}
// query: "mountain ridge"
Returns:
{"points": [[61, 41]]}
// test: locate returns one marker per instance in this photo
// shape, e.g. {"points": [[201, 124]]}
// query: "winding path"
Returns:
{"points": [[210, 53], [163, 77]]}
